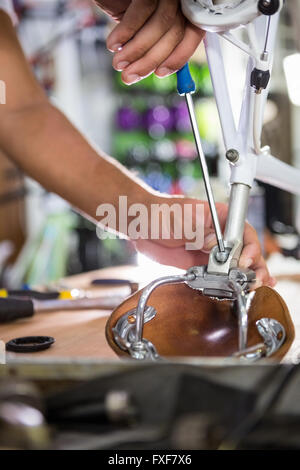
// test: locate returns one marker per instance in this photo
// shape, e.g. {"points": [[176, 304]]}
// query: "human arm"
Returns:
{"points": [[40, 139]]}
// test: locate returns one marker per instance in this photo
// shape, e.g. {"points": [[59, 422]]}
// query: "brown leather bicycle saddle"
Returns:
{"points": [[188, 323]]}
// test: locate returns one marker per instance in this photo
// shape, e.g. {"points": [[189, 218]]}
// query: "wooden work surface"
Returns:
{"points": [[78, 334], [81, 334]]}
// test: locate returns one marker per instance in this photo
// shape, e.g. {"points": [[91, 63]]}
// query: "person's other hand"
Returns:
{"points": [[152, 36]]}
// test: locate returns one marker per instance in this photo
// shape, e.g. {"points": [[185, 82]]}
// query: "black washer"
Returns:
{"points": [[30, 343]]}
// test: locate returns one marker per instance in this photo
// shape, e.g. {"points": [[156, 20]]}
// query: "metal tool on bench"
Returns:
{"points": [[22, 303], [14, 308], [62, 292], [221, 278]]}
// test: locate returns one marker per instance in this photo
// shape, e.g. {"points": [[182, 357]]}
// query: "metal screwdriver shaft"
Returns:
{"points": [[186, 86]]}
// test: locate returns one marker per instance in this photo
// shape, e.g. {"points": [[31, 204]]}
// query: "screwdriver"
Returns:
{"points": [[186, 87], [15, 308], [66, 293], [35, 294]]}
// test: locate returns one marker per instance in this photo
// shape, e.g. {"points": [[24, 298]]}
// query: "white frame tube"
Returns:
{"points": [[263, 167]]}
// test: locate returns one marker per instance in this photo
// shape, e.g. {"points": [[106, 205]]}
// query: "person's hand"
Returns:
{"points": [[174, 253], [152, 36], [115, 9]]}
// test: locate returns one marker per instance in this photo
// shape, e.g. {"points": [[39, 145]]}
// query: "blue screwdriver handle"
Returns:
{"points": [[185, 82]]}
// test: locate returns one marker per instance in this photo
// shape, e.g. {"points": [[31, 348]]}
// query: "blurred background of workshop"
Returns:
{"points": [[45, 243], [146, 127]]}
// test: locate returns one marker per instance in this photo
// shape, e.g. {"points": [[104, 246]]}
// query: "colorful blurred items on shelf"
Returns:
{"points": [[168, 168], [164, 150], [201, 76], [12, 206], [181, 117], [166, 85], [158, 120], [159, 181], [124, 144], [151, 84], [189, 168], [128, 118], [154, 136], [187, 185], [152, 166], [175, 188], [138, 154], [208, 120], [44, 258], [210, 149], [185, 148]]}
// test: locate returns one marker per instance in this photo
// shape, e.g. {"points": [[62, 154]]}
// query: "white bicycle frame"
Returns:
{"points": [[254, 162], [262, 166], [251, 162]]}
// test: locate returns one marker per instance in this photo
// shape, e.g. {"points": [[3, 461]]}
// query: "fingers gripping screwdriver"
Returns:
{"points": [[186, 87]]}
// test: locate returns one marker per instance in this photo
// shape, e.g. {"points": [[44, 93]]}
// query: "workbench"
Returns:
{"points": [[80, 334]]}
